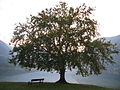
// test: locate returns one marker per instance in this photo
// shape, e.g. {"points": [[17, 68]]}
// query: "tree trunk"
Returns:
{"points": [[62, 76]]}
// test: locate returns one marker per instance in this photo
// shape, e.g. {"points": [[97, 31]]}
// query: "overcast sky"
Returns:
{"points": [[107, 14]]}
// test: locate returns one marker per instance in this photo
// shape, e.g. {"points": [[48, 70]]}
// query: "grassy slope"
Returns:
{"points": [[48, 86]]}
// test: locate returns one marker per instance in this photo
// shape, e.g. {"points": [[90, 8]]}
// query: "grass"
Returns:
{"points": [[48, 86]]}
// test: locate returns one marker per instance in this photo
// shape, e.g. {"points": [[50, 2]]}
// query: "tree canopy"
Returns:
{"points": [[62, 38]]}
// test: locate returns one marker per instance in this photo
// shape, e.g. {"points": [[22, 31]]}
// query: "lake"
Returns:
{"points": [[105, 80]]}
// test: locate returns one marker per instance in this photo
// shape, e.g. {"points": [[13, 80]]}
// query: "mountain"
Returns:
{"points": [[4, 49], [7, 69], [109, 78], [115, 68], [9, 72], [115, 39], [4, 53]]}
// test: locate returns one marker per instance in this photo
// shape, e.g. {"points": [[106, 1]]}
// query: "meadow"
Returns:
{"points": [[48, 86]]}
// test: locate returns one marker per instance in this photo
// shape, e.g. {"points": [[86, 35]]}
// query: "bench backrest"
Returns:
{"points": [[38, 79]]}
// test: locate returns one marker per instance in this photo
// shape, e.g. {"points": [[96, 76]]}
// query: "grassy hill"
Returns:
{"points": [[49, 86]]}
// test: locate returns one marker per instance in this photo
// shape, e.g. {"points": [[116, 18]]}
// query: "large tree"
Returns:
{"points": [[59, 39]]}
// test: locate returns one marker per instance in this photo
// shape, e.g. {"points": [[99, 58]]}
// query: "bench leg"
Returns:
{"points": [[29, 83]]}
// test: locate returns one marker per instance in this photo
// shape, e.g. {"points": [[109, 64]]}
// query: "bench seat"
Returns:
{"points": [[36, 81]]}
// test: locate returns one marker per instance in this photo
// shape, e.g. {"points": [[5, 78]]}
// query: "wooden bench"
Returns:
{"points": [[36, 81]]}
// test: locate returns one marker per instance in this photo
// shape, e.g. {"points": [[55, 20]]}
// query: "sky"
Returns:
{"points": [[107, 14]]}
